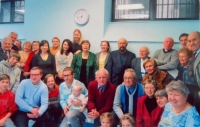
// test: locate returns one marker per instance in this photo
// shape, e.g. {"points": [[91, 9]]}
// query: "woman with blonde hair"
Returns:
{"points": [[56, 45], [77, 39]]}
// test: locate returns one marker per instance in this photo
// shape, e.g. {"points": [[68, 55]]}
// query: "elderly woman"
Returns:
{"points": [[161, 98], [102, 56], [178, 112], [153, 73], [84, 64], [148, 111]]}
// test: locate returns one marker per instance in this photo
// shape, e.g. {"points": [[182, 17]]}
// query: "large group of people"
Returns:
{"points": [[66, 84]]}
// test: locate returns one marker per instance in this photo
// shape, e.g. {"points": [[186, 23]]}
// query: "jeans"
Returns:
{"points": [[9, 123], [73, 117]]}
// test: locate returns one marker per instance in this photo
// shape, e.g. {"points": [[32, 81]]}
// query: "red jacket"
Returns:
{"points": [[143, 118], [101, 102], [7, 103], [27, 66]]}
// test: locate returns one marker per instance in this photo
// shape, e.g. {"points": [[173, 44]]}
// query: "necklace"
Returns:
{"points": [[180, 110]]}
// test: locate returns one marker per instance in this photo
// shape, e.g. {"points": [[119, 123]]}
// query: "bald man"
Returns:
{"points": [[137, 63], [167, 58], [119, 61]]}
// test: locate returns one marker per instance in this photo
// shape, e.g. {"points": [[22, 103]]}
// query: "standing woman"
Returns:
{"points": [[44, 59], [56, 45], [102, 56], [84, 64], [77, 39], [63, 59], [148, 111]]}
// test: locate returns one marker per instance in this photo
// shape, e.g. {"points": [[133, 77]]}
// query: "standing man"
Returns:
{"points": [[137, 63], [183, 38], [72, 117], [32, 99], [5, 48], [101, 94], [13, 36], [118, 61]]}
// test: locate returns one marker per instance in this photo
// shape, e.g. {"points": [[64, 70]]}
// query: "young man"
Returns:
{"points": [[7, 102], [10, 68]]}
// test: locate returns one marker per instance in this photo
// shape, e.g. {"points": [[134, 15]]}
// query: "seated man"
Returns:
{"points": [[5, 48], [137, 63], [73, 117], [7, 102], [167, 58], [32, 99], [10, 68], [126, 96], [101, 94]]}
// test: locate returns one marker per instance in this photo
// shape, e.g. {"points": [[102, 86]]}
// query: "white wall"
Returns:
{"points": [[45, 19]]}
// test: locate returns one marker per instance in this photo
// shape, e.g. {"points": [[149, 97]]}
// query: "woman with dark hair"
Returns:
{"points": [[45, 60], [153, 73], [148, 111], [63, 59], [84, 64]]}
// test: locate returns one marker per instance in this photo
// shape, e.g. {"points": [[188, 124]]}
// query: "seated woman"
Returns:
{"points": [[7, 105], [148, 111], [161, 98], [45, 60], [154, 74], [63, 59], [18, 43], [102, 56], [178, 112], [84, 64], [77, 39], [56, 45]]}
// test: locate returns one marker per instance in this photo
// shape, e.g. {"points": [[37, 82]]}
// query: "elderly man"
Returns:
{"points": [[167, 58], [183, 38], [32, 99], [101, 94], [5, 48], [72, 117], [13, 36], [193, 71], [118, 61], [137, 63], [126, 96]]}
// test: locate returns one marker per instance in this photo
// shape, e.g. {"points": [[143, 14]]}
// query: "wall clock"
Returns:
{"points": [[81, 17]]}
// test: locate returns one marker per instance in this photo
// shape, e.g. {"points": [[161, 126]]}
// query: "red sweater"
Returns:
{"points": [[7, 103], [27, 66], [101, 102], [143, 118]]}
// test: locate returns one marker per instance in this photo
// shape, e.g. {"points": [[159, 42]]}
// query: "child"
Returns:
{"points": [[7, 102], [127, 120], [76, 94], [106, 119]]}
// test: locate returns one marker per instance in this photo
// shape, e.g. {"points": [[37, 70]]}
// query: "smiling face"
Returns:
{"points": [[144, 52], [126, 123], [6, 44], [13, 37], [12, 61], [18, 44], [104, 47], [51, 82], [35, 46], [183, 58], [149, 67], [183, 41], [105, 122], [65, 46], [77, 36], [149, 90], [35, 76], [27, 47], [129, 79], [176, 98], [194, 41], [168, 43], [85, 46], [56, 43], [77, 90], [102, 77], [4, 84], [44, 48], [122, 44], [161, 101]]}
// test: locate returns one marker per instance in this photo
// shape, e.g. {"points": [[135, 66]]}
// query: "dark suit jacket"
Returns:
{"points": [[97, 56], [115, 68], [2, 55]]}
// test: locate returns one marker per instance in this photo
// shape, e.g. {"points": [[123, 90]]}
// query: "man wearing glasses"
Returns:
{"points": [[126, 96], [72, 117]]}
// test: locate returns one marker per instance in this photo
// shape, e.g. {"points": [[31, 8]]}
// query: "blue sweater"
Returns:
{"points": [[30, 96]]}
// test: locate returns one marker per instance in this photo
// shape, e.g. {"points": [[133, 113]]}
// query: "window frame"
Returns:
{"points": [[152, 13]]}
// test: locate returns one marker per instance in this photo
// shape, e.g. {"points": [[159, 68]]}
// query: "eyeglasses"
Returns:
{"points": [[128, 78], [66, 76], [34, 74]]}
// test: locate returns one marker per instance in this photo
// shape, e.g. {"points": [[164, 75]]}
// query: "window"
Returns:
{"points": [[12, 11], [155, 10]]}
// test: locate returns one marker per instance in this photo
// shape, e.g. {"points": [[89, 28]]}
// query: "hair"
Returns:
{"points": [[69, 69], [153, 82], [43, 42], [16, 55], [161, 93], [107, 73], [198, 33], [83, 42], [107, 115], [13, 33], [4, 77], [188, 52], [77, 30], [46, 78], [57, 39], [128, 117], [107, 44], [78, 86], [146, 48], [69, 49], [27, 43], [20, 48], [36, 42], [37, 68], [182, 35], [178, 86], [150, 61], [131, 70], [7, 38]]}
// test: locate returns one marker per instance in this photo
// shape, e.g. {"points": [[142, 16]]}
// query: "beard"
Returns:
{"points": [[122, 49]]}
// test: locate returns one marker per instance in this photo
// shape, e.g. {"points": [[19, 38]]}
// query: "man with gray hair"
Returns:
{"points": [[126, 96], [5, 48], [13, 36], [101, 94]]}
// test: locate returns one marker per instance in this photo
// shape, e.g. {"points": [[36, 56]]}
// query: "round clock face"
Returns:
{"points": [[81, 17]]}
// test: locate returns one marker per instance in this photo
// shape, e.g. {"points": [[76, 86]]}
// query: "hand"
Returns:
{"points": [[66, 109], [2, 122], [30, 115], [34, 111], [90, 114], [77, 52], [26, 73], [77, 103], [22, 65], [95, 115]]}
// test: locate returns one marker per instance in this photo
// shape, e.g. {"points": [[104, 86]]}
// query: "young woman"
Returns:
{"points": [[77, 39], [56, 45]]}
